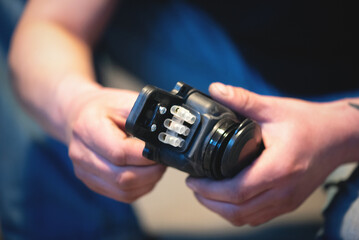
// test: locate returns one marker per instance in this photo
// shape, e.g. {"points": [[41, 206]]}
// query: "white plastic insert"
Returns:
{"points": [[176, 127], [169, 139], [183, 114]]}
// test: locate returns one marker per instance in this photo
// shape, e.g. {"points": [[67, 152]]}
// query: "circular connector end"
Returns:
{"points": [[242, 149]]}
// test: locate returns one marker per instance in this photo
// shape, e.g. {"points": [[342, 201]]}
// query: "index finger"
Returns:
{"points": [[133, 153], [114, 145]]}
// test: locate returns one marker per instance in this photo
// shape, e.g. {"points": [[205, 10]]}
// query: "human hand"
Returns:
{"points": [[107, 160], [304, 142]]}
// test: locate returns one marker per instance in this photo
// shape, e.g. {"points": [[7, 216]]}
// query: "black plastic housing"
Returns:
{"points": [[219, 143]]}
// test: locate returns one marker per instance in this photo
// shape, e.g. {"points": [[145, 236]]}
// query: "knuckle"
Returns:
{"points": [[77, 128], [240, 192], [79, 174], [239, 196], [118, 157], [126, 180], [74, 154], [237, 223], [235, 217], [244, 97], [231, 216]]}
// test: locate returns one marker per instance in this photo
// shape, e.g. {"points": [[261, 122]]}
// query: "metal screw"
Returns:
{"points": [[153, 127], [162, 110]]}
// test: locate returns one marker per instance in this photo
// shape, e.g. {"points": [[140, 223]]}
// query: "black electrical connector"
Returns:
{"points": [[188, 130]]}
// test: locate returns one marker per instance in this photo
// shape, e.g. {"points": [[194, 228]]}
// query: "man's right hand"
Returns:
{"points": [[53, 77], [105, 158]]}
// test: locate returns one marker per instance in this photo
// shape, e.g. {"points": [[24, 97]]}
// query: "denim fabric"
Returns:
{"points": [[342, 214]]}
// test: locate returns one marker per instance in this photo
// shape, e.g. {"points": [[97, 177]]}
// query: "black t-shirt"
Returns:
{"points": [[301, 47]]}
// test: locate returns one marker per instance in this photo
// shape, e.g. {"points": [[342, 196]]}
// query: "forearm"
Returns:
{"points": [[44, 58]]}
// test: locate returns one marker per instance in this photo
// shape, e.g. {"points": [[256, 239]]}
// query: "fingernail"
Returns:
{"points": [[220, 89]]}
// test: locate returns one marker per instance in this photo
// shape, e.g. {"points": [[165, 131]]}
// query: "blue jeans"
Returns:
{"points": [[342, 214]]}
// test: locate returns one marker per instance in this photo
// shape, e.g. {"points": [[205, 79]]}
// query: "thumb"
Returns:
{"points": [[242, 101]]}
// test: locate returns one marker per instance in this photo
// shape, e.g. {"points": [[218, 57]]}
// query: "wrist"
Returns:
{"points": [[70, 92], [347, 132]]}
